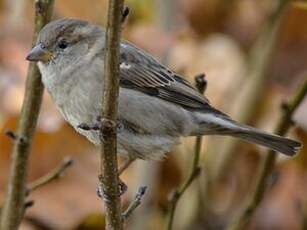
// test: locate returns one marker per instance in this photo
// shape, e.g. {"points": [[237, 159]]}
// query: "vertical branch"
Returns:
{"points": [[14, 203], [108, 165], [267, 165], [201, 85]]}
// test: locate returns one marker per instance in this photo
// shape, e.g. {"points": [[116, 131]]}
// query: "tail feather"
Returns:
{"points": [[223, 125], [280, 144]]}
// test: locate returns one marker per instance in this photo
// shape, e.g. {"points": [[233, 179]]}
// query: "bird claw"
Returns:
{"points": [[88, 127], [98, 125], [123, 188]]}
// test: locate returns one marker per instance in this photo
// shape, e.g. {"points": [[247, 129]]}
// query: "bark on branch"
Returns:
{"points": [[13, 206], [108, 165]]}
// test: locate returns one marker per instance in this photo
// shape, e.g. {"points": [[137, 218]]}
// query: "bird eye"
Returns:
{"points": [[63, 44]]}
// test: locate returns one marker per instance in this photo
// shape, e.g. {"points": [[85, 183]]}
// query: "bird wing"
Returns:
{"points": [[141, 72]]}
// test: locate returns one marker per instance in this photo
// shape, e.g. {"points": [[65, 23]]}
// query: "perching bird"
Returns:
{"points": [[156, 105]]}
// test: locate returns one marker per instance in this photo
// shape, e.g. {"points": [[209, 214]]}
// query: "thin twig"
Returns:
{"points": [[135, 203], [268, 163], [27, 204], [125, 13], [51, 176], [258, 64], [201, 84], [109, 181], [11, 134], [12, 212]]}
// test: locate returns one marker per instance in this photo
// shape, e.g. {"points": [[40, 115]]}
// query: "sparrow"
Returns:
{"points": [[156, 105]]}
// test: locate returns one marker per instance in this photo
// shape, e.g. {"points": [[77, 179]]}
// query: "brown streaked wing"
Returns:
{"points": [[142, 72]]}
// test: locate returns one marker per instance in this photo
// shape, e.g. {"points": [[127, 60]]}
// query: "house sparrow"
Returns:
{"points": [[156, 105]]}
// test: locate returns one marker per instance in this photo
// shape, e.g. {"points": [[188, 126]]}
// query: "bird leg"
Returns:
{"points": [[122, 188], [125, 165], [97, 125]]}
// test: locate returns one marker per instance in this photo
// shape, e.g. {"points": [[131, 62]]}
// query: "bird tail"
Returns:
{"points": [[280, 144], [226, 126]]}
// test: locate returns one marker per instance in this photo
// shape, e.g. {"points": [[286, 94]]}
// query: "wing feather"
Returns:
{"points": [[144, 73]]}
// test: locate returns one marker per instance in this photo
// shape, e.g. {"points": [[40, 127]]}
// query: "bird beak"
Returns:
{"points": [[39, 53]]}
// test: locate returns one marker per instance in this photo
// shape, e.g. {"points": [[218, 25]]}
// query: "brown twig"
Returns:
{"points": [[267, 165], [13, 205], [27, 204], [201, 84], [108, 166], [51, 176], [125, 13], [11, 134], [135, 203]]}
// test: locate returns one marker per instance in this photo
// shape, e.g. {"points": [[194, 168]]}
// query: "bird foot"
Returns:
{"points": [[123, 188], [101, 124]]}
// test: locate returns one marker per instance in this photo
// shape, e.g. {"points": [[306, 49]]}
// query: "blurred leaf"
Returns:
{"points": [[300, 4], [93, 221], [170, 179], [93, 10], [151, 32], [141, 10], [283, 202], [302, 156]]}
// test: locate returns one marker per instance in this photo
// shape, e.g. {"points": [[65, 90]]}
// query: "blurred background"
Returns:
{"points": [[254, 56]]}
